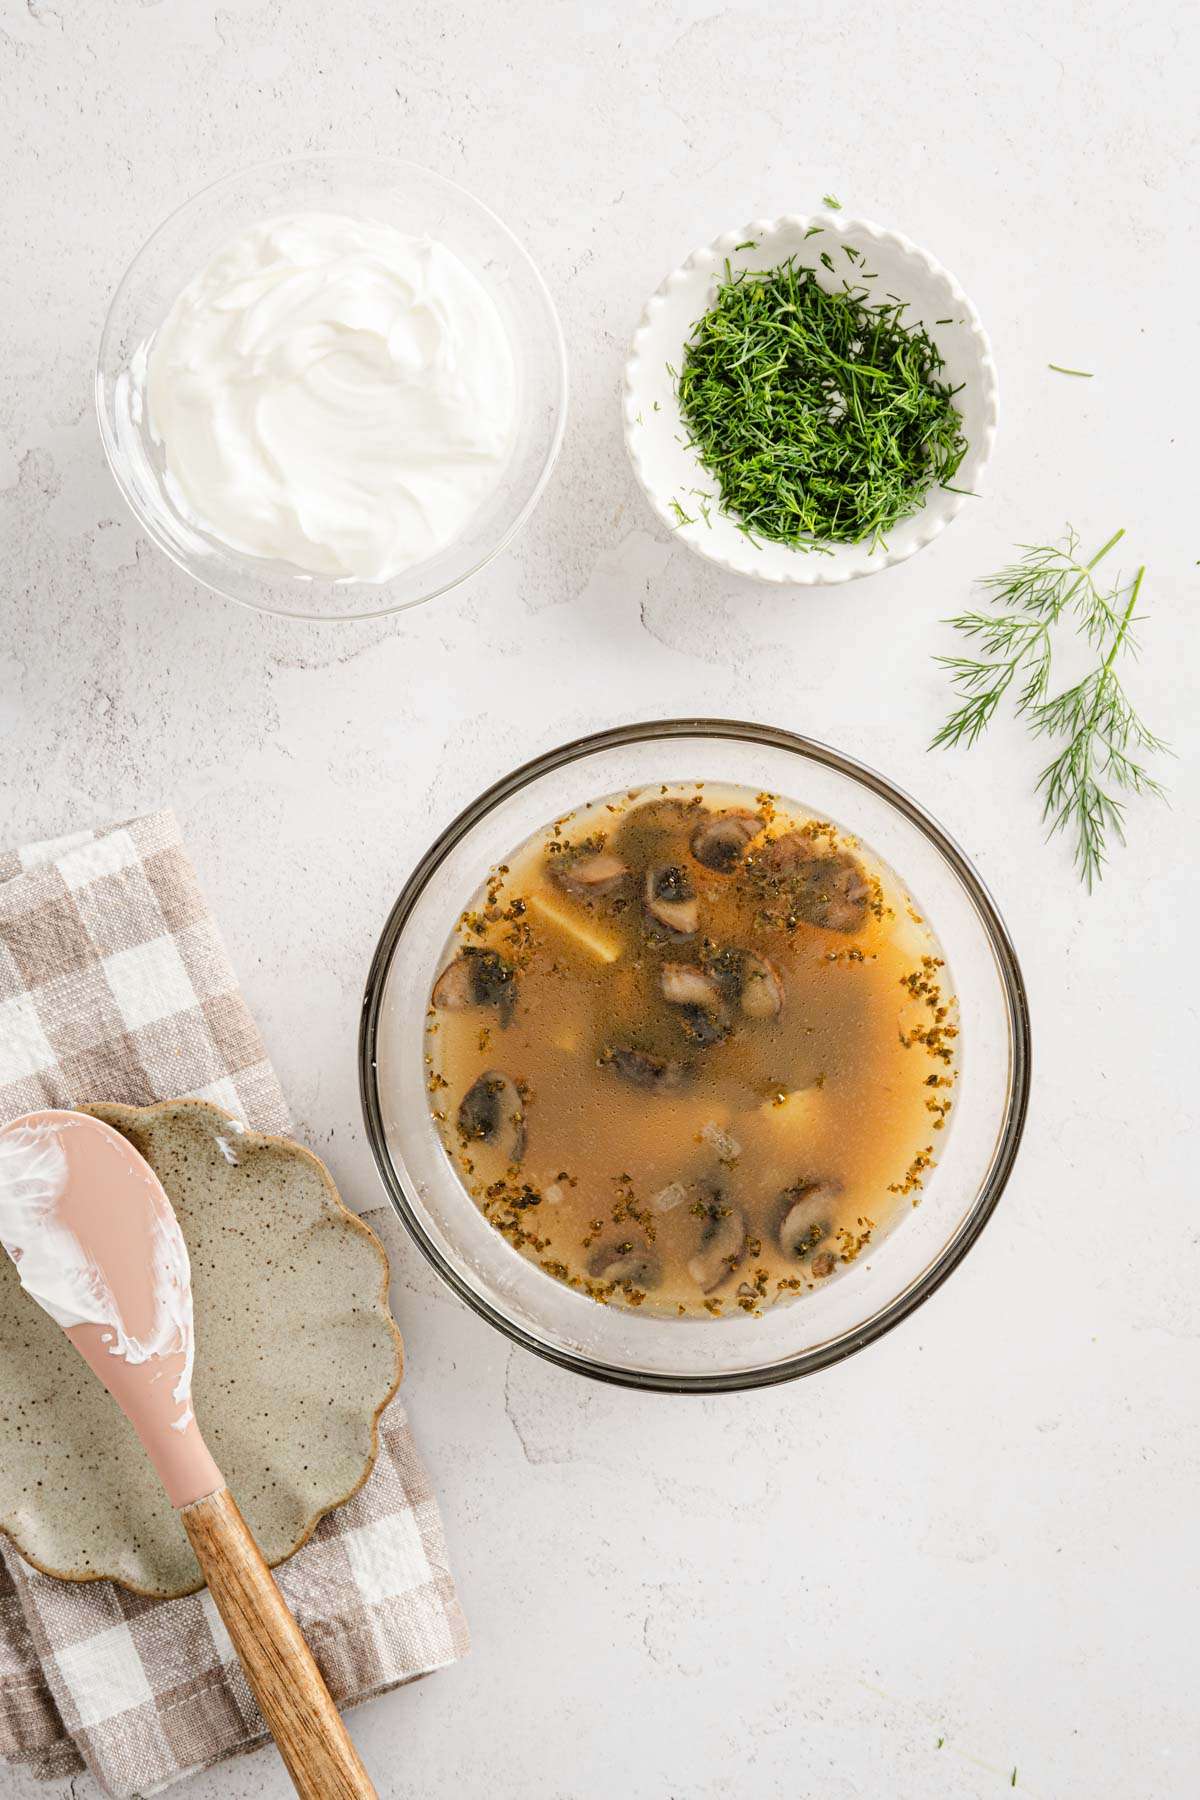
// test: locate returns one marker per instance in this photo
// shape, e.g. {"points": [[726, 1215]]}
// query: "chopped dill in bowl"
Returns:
{"points": [[821, 416]]}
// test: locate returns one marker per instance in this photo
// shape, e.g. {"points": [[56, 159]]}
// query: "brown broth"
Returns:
{"points": [[632, 1157]]}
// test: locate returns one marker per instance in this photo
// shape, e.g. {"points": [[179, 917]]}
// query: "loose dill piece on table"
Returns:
{"points": [[832, 202], [1101, 736], [1084, 374], [820, 415], [1030, 596], [1104, 737]]}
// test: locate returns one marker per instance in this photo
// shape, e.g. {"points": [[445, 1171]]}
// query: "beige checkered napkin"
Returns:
{"points": [[114, 985]]}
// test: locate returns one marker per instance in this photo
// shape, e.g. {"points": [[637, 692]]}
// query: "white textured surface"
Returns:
{"points": [[983, 1529]]}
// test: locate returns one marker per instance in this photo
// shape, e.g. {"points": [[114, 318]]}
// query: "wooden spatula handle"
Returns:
{"points": [[286, 1682]]}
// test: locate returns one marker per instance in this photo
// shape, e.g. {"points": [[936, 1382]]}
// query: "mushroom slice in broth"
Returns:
{"points": [[762, 987], [821, 886], [477, 978], [589, 874], [750, 982], [722, 1244], [491, 1112], [687, 984], [626, 1265], [719, 842], [806, 1218], [671, 901], [698, 1001]]}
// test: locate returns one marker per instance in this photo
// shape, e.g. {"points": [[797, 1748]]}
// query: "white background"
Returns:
{"points": [[984, 1528]]}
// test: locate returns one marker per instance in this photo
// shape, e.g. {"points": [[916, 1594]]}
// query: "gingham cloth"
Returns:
{"points": [[114, 985]]}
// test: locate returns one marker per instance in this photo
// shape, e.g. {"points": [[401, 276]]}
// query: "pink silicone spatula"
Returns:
{"points": [[97, 1244]]}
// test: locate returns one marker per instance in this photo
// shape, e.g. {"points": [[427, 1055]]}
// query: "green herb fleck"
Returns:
{"points": [[681, 517], [814, 231], [833, 203], [1084, 374], [747, 244], [821, 417]]}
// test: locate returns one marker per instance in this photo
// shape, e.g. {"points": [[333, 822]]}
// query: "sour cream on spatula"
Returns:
{"points": [[97, 1245], [332, 393]]}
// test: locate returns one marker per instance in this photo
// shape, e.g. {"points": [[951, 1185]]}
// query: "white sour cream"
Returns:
{"points": [[62, 1273], [332, 393]]}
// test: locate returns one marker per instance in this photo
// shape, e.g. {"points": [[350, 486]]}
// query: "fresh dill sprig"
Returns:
{"points": [[822, 417], [1035, 592], [1102, 737]]}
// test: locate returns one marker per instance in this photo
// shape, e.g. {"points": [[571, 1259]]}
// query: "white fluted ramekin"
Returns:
{"points": [[685, 497]]}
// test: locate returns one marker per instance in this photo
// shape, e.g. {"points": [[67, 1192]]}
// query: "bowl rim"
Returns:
{"points": [[112, 456], [1003, 1156], [813, 570]]}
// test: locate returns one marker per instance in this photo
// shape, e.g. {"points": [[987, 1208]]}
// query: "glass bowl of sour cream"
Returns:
{"points": [[332, 386]]}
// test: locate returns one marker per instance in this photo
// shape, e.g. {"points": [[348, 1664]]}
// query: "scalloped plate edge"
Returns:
{"points": [[360, 1227]]}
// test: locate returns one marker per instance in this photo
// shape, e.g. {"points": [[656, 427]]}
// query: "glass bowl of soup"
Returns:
{"points": [[694, 1055]]}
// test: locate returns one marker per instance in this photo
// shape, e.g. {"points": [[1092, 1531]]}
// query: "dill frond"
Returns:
{"points": [[1085, 788]]}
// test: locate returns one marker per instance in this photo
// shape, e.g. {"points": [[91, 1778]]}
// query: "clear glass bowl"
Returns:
{"points": [[415, 201], [884, 1284]]}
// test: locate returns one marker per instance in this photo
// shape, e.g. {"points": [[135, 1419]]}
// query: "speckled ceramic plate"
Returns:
{"points": [[296, 1357]]}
